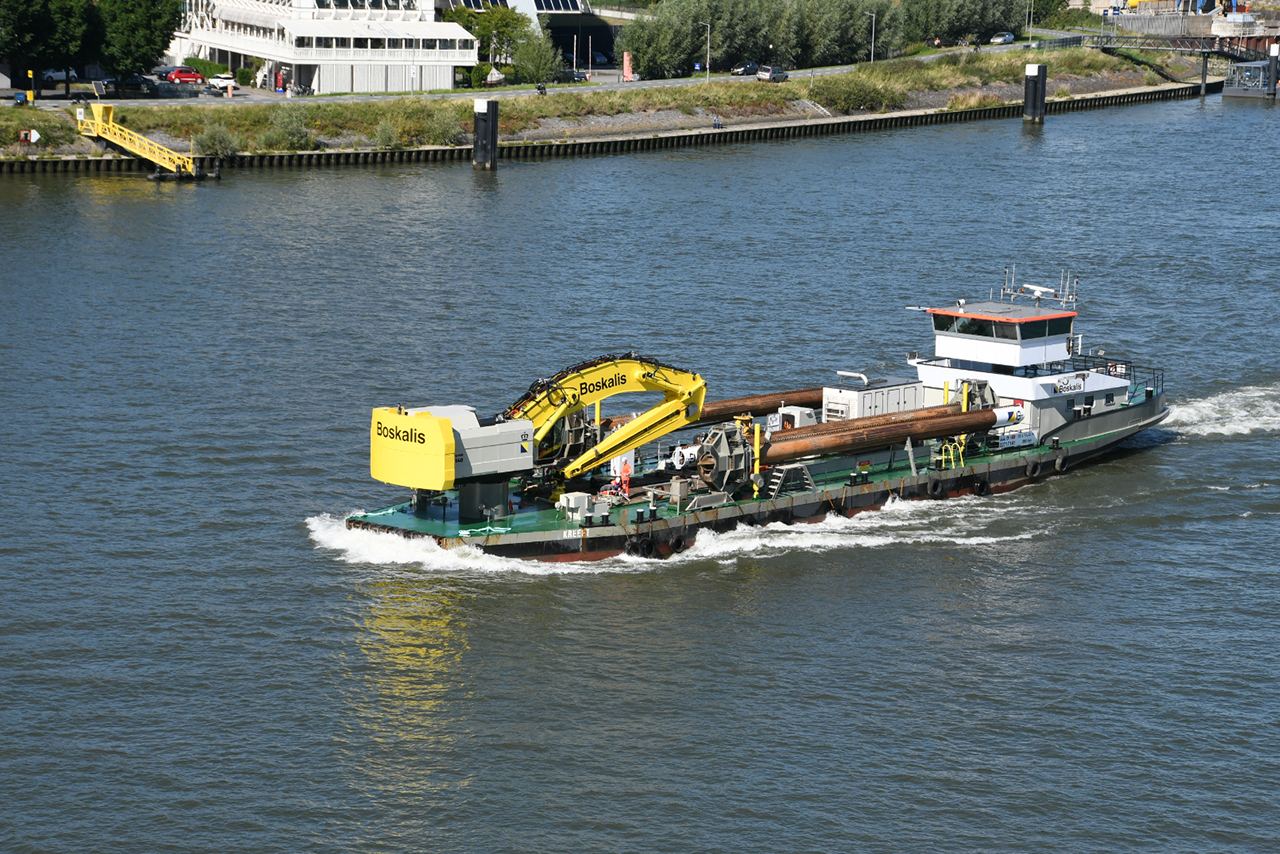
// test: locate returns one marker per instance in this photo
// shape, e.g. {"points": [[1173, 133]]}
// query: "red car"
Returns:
{"points": [[185, 74]]}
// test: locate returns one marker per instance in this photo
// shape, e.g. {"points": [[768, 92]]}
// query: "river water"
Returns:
{"points": [[194, 654]]}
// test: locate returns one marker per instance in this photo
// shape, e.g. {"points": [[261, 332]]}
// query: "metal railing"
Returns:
{"points": [[103, 126], [1056, 44], [333, 54], [1140, 377], [1229, 46]]}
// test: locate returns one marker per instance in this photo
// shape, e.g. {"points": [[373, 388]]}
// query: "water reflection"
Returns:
{"points": [[413, 639]]}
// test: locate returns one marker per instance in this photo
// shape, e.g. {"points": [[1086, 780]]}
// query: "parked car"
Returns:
{"points": [[1002, 38], [772, 74], [185, 74], [133, 84], [161, 72], [224, 81], [744, 69], [571, 76], [598, 58], [53, 76]]}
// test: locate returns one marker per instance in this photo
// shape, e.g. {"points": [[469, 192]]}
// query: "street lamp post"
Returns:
{"points": [[873, 35], [708, 26]]}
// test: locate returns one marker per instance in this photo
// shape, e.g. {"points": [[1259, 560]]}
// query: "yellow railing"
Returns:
{"points": [[103, 126]]}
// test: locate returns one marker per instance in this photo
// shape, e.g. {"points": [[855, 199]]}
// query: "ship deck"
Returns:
{"points": [[401, 517]]}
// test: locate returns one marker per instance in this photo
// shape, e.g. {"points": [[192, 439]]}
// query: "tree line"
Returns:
{"points": [[806, 33], [508, 41], [124, 36]]}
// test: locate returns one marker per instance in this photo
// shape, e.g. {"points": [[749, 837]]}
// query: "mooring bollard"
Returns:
{"points": [[1033, 93], [1273, 60], [484, 154]]}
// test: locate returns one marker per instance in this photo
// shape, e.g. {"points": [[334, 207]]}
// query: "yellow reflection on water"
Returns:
{"points": [[409, 682], [414, 640]]}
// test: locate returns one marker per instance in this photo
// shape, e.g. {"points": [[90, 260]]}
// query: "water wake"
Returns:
{"points": [[962, 522], [1240, 411]]}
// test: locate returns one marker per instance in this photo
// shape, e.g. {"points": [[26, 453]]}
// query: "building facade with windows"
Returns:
{"points": [[330, 45]]}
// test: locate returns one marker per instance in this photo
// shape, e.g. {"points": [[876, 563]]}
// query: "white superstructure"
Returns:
{"points": [[1023, 351], [330, 45]]}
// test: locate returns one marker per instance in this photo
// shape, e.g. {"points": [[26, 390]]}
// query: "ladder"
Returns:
{"points": [[104, 126], [793, 477]]}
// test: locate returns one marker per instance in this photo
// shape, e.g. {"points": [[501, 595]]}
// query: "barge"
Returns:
{"points": [[1008, 398]]}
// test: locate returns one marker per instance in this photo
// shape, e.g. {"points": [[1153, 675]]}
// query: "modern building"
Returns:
{"points": [[330, 45], [583, 36]]}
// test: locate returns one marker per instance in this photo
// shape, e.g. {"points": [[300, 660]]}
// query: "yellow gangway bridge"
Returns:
{"points": [[104, 126]]}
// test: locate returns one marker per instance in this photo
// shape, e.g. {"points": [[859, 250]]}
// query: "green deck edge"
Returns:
{"points": [[399, 516]]}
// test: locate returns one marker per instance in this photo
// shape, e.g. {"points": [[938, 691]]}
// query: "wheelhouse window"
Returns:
{"points": [[1034, 329], [1060, 326], [1007, 331], [975, 326]]}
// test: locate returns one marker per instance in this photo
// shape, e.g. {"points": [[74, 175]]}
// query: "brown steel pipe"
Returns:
{"points": [[870, 438], [797, 433], [760, 404]]}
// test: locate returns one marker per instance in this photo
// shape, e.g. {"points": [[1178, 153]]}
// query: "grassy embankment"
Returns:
{"points": [[402, 122], [56, 130]]}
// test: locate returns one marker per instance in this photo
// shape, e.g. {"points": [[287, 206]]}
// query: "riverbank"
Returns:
{"points": [[622, 143], [955, 82]]}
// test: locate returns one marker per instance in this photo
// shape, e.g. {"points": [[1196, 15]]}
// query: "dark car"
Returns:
{"points": [[161, 72], [744, 69], [134, 84], [571, 76]]}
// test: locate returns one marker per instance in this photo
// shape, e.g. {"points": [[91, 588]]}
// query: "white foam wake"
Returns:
{"points": [[962, 522], [384, 549], [1250, 409], [967, 521]]}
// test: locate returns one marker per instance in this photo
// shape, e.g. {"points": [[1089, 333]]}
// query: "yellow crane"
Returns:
{"points": [[548, 428]]}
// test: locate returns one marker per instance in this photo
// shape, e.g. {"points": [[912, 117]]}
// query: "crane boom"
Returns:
{"points": [[548, 402]]}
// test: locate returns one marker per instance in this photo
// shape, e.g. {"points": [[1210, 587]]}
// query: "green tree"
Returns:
{"points": [[952, 19], [537, 60], [499, 30], [23, 28], [137, 32], [65, 41], [793, 33]]}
